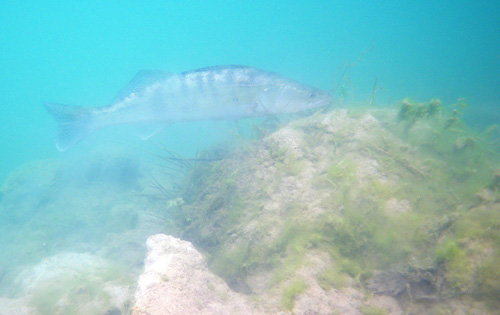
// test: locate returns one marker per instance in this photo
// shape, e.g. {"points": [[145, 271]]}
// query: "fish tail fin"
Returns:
{"points": [[74, 123]]}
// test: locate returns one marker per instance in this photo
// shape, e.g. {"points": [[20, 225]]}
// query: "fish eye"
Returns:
{"points": [[311, 94]]}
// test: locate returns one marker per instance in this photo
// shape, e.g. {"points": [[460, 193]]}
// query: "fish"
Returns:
{"points": [[212, 93]]}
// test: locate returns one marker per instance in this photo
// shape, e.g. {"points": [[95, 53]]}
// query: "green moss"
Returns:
{"points": [[448, 252], [488, 280], [285, 161], [459, 270], [441, 310], [434, 108], [359, 238], [480, 223], [429, 161], [288, 267], [345, 170], [291, 166], [292, 244], [82, 292], [331, 277], [411, 112], [372, 310], [469, 254], [382, 191], [351, 267], [296, 288], [231, 263]]}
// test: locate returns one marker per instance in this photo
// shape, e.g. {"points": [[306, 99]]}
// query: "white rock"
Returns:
{"points": [[176, 280], [56, 269], [78, 283], [14, 307]]}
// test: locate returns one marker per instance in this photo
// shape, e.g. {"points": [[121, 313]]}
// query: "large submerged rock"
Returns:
{"points": [[14, 307], [304, 216], [176, 280], [73, 283], [341, 212]]}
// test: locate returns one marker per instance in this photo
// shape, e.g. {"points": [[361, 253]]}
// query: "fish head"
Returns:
{"points": [[294, 97]]}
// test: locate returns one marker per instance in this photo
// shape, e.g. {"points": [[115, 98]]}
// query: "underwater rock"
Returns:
{"points": [[486, 196], [74, 283], [421, 285], [385, 303], [176, 280], [319, 300], [495, 183], [391, 283], [395, 207], [14, 307], [56, 267], [303, 216]]}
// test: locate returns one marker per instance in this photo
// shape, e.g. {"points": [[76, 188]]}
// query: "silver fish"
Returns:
{"points": [[220, 92]]}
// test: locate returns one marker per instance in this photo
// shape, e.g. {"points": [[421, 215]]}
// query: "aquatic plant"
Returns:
{"points": [[434, 108], [84, 291], [410, 113], [369, 193], [291, 292], [488, 281], [333, 277], [448, 252], [453, 120], [372, 310], [475, 268]]}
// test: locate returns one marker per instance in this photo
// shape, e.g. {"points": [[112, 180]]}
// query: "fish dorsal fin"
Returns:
{"points": [[140, 81]]}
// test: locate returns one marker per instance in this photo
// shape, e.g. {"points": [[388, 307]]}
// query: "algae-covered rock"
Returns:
{"points": [[391, 283], [73, 233], [75, 283], [14, 307], [353, 191]]}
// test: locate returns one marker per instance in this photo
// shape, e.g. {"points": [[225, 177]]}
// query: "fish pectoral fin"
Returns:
{"points": [[260, 107], [146, 131]]}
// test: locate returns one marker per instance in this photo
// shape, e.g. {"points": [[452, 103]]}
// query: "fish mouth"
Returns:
{"points": [[322, 102]]}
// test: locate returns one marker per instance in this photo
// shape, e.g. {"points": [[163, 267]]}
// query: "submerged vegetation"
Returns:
{"points": [[399, 202], [412, 189], [291, 292]]}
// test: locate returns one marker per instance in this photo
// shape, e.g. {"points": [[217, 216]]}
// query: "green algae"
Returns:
{"points": [[290, 247], [334, 277], [81, 292], [233, 264], [488, 280], [344, 170], [429, 166], [46, 300], [449, 252], [471, 254], [291, 292], [372, 310]]}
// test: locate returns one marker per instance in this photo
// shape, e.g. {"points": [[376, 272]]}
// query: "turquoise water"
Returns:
{"points": [[83, 53]]}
